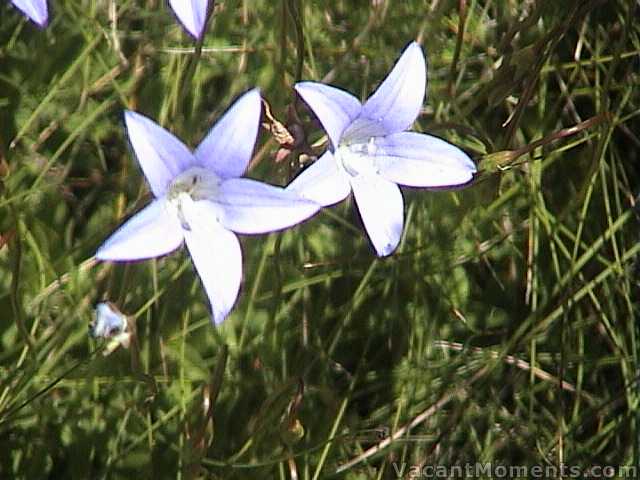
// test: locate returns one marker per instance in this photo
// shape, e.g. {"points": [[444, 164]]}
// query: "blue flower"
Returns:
{"points": [[200, 199], [36, 10], [371, 153], [192, 14], [109, 322], [113, 326]]}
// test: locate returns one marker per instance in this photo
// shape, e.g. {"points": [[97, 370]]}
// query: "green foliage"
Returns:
{"points": [[503, 329]]}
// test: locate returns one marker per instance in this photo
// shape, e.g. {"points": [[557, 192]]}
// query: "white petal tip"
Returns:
{"points": [[192, 14], [105, 255], [385, 250], [130, 115], [300, 86], [468, 165], [194, 33], [217, 317], [415, 50], [252, 96], [35, 10], [132, 118]]}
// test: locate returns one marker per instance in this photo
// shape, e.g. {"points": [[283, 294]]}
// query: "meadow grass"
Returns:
{"points": [[503, 330]]}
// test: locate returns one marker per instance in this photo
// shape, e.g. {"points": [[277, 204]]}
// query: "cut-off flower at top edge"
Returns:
{"points": [[36, 10], [192, 14]]}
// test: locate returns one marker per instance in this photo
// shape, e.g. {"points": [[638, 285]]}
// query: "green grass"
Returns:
{"points": [[503, 330]]}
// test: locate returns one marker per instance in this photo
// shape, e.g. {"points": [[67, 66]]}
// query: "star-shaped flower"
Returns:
{"points": [[371, 153], [192, 14], [199, 198], [36, 10]]}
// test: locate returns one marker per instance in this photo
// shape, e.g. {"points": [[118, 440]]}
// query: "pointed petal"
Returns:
{"points": [[322, 181], [160, 154], [151, 232], [381, 208], [420, 160], [216, 255], [36, 10], [249, 206], [397, 101], [228, 147], [192, 14], [335, 108]]}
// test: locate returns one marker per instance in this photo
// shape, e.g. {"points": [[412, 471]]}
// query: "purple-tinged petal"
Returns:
{"points": [[361, 131], [248, 206], [322, 181], [382, 211], [151, 232], [36, 10], [228, 146], [192, 14], [109, 321], [160, 154], [216, 255], [420, 160], [397, 101], [335, 108]]}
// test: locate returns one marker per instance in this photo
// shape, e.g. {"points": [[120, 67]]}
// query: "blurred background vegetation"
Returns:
{"points": [[504, 329]]}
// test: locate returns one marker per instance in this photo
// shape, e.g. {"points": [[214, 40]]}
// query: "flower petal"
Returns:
{"points": [[322, 181], [397, 101], [381, 207], [192, 14], [216, 255], [36, 10], [228, 146], [420, 160], [160, 154], [108, 322], [249, 206], [361, 131], [335, 108], [151, 232]]}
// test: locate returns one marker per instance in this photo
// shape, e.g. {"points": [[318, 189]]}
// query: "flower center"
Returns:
{"points": [[357, 157], [192, 185]]}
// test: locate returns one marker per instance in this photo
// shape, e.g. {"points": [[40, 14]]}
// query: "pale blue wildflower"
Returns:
{"points": [[200, 199], [109, 321], [112, 325], [370, 152], [192, 14], [36, 10]]}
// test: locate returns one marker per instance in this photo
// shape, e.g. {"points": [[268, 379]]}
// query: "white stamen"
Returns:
{"points": [[192, 185], [356, 158]]}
